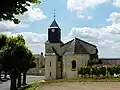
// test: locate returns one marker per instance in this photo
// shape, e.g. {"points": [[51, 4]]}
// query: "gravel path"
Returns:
{"points": [[82, 86]]}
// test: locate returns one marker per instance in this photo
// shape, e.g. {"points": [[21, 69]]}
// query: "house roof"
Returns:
{"points": [[77, 46]]}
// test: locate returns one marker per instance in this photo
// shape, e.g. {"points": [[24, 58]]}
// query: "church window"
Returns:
{"points": [[73, 64], [50, 73], [50, 64]]}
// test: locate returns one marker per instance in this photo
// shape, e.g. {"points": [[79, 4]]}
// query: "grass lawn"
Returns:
{"points": [[87, 82]]}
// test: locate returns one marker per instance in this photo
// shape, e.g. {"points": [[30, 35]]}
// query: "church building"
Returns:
{"points": [[63, 59]]}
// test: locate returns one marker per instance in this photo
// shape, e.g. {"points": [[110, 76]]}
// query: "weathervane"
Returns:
{"points": [[54, 14]]}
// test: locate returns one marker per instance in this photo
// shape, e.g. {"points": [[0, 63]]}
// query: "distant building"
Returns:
{"points": [[62, 60], [110, 61], [40, 64]]}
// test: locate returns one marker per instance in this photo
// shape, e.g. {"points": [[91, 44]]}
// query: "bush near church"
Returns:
{"points": [[97, 72]]}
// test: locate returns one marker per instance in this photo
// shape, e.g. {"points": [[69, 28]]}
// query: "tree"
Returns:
{"points": [[27, 63], [2, 43], [87, 71], [12, 57], [103, 71], [14, 7], [16, 58], [81, 71], [110, 71]]}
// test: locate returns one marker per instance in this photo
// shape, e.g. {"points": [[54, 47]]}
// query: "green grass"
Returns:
{"points": [[31, 86], [34, 85]]}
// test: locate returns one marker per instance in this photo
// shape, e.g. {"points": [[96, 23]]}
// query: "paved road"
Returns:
{"points": [[6, 85]]}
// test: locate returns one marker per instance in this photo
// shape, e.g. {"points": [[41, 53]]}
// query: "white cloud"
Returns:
{"points": [[89, 17], [114, 28], [81, 6], [83, 15], [116, 3], [105, 41], [35, 41], [106, 38], [114, 18], [31, 15], [8, 26]]}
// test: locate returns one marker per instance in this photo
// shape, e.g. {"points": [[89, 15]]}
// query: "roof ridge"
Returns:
{"points": [[81, 45], [85, 42], [67, 42]]}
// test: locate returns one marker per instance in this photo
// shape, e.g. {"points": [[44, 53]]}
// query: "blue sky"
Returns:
{"points": [[95, 21]]}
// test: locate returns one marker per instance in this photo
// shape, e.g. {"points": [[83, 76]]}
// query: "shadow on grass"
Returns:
{"points": [[25, 87], [31, 86]]}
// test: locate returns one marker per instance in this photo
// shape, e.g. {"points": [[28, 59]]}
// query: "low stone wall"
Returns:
{"points": [[34, 71]]}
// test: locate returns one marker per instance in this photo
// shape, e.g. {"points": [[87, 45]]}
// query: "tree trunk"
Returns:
{"points": [[0, 74], [13, 81], [19, 80], [92, 75], [5, 76], [24, 78]]}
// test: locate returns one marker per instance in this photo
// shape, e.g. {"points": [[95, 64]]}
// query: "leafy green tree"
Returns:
{"points": [[12, 58], [28, 62], [117, 69], [110, 71], [87, 71], [25, 63], [16, 57], [81, 71], [3, 38], [103, 71], [10, 8], [96, 71]]}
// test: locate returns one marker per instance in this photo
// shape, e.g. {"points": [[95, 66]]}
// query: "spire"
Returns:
{"points": [[54, 23], [54, 14]]}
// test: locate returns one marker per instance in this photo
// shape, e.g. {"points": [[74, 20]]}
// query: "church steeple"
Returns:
{"points": [[54, 24], [54, 32]]}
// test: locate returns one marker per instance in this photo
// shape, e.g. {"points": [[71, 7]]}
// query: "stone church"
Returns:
{"points": [[63, 59]]}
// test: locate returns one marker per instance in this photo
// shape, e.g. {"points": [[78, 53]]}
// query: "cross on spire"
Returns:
{"points": [[54, 14]]}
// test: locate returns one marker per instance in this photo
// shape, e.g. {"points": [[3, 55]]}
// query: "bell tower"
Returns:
{"points": [[54, 33]]}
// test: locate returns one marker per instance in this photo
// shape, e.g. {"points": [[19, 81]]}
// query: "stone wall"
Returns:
{"points": [[50, 67], [39, 70], [81, 60]]}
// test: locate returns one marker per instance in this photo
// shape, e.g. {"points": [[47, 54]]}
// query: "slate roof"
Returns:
{"points": [[58, 42], [77, 46], [54, 24]]}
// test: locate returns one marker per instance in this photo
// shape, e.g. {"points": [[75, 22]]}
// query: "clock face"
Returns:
{"points": [[53, 30]]}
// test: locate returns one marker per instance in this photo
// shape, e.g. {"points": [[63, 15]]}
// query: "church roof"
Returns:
{"points": [[58, 42], [77, 46], [54, 24]]}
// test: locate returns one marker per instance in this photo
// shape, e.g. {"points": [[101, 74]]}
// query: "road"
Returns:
{"points": [[6, 85]]}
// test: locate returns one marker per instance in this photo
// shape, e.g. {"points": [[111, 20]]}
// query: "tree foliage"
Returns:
{"points": [[16, 57], [97, 71], [10, 8]]}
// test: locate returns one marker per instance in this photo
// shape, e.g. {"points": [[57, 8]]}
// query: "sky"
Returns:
{"points": [[95, 21]]}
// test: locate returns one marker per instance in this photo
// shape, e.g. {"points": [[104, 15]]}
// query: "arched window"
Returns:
{"points": [[50, 64], [73, 64], [50, 73]]}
